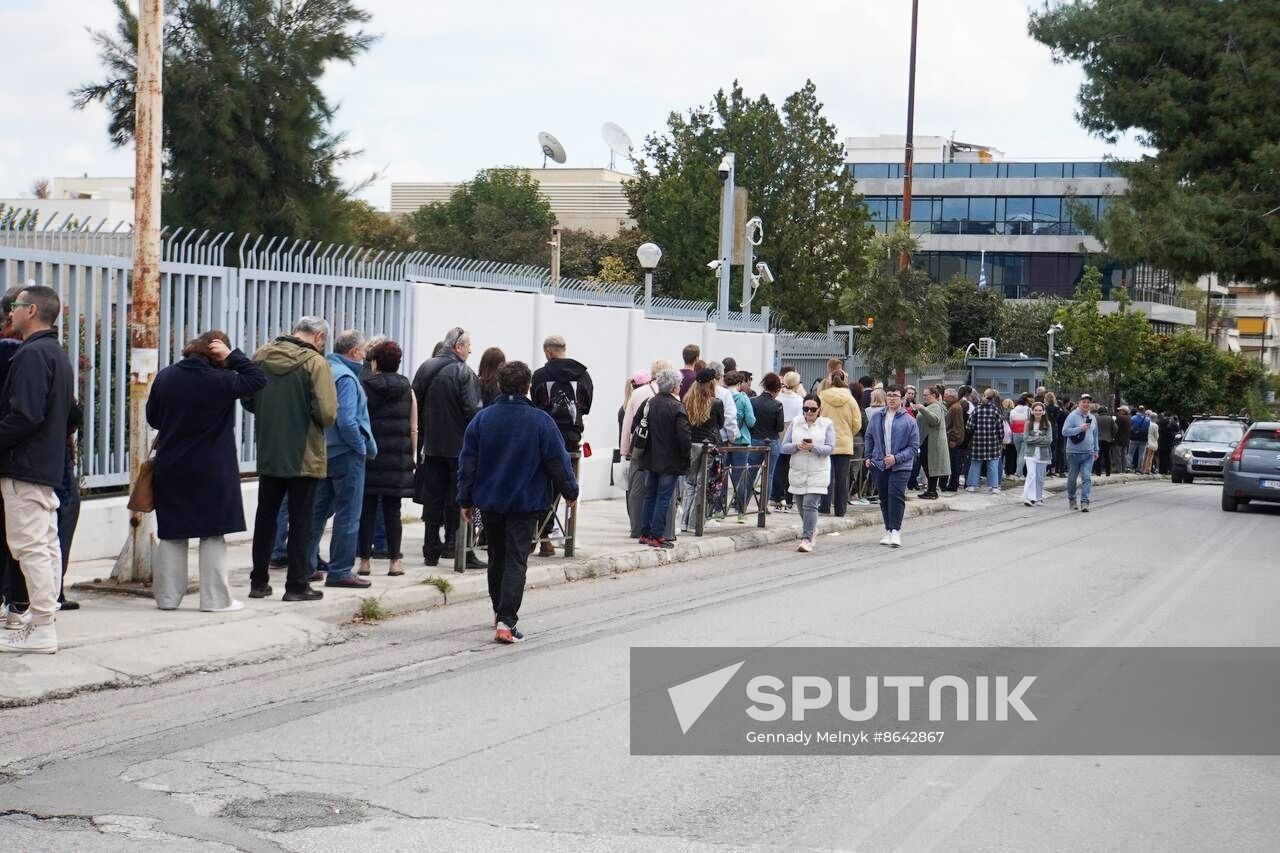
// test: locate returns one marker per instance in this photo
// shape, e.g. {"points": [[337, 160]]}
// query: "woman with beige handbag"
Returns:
{"points": [[195, 480]]}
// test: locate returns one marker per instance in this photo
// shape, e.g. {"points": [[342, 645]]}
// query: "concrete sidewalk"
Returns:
{"points": [[117, 640]]}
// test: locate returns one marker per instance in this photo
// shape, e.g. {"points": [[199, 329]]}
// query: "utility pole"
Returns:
{"points": [[134, 563], [725, 171], [555, 256], [908, 160]]}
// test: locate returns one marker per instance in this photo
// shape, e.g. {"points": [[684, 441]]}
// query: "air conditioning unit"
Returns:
{"points": [[986, 347]]}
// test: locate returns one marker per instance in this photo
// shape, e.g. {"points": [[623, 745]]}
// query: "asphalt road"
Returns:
{"points": [[420, 734]]}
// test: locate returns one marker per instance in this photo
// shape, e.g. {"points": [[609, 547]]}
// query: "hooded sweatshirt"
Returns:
{"points": [[562, 388], [292, 412], [838, 405]]}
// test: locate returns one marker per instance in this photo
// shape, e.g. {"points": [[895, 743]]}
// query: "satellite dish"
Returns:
{"points": [[551, 147], [617, 140]]}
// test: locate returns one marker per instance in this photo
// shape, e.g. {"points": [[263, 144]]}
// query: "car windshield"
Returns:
{"points": [[1216, 433]]}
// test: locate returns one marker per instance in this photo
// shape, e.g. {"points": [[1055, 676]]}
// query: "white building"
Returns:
{"points": [[81, 200], [591, 199]]}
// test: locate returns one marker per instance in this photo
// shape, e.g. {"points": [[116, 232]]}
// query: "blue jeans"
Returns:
{"points": [[893, 495], [1079, 465], [340, 495], [975, 472], [1137, 449], [658, 489]]}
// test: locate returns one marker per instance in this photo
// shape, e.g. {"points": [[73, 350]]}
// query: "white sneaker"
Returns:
{"points": [[996, 490], [888, 538], [31, 639], [895, 538], [973, 489], [805, 546], [230, 608], [15, 620]]}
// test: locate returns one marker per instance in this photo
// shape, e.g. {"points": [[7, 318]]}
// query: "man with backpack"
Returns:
{"points": [[561, 388], [1139, 425]]}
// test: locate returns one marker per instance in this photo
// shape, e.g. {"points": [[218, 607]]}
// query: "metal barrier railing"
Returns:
{"points": [[758, 487], [466, 538]]}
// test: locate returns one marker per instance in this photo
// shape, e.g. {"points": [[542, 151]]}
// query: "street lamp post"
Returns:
{"points": [[648, 254], [1053, 330]]}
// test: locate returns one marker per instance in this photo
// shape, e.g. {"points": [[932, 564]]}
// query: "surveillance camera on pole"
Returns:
{"points": [[714, 265], [725, 172], [764, 273]]}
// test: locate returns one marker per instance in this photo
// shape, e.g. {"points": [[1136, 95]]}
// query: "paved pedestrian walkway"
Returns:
{"points": [[118, 639]]}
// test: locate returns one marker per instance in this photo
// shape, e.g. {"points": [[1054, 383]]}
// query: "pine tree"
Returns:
{"points": [[247, 140]]}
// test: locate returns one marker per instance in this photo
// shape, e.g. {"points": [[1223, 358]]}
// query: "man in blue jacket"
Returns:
{"points": [[1081, 432], [893, 442], [513, 463], [349, 444]]}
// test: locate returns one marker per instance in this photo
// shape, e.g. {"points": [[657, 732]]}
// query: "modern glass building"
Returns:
{"points": [[971, 208]]}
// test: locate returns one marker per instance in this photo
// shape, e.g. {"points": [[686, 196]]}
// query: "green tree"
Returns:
{"points": [[1105, 346], [1197, 83], [614, 270], [907, 306], [1188, 375], [792, 162], [500, 215], [374, 229], [1023, 325], [247, 139], [972, 312]]}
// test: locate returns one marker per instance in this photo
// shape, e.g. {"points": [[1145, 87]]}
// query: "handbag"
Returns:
{"points": [[143, 497], [640, 435]]}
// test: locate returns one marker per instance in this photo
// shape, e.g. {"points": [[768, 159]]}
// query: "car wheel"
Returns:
{"points": [[1175, 477], [1228, 502], [1187, 478]]}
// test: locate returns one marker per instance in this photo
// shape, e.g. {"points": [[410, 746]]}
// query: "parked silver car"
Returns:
{"points": [[1252, 471]]}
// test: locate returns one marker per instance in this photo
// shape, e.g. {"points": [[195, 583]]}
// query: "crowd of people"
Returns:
{"points": [[344, 438]]}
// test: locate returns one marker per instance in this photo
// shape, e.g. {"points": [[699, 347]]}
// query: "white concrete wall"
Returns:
{"points": [[612, 342]]}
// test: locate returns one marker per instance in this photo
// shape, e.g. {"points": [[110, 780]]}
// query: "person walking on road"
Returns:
{"points": [[512, 465], [36, 405], [666, 458], [810, 441], [448, 394], [293, 410], [1082, 451], [893, 440], [196, 479], [388, 478], [1039, 445]]}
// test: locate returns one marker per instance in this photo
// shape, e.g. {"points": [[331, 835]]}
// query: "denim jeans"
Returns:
{"points": [[1137, 449], [340, 495], [893, 495], [1079, 465], [658, 489], [1020, 461], [809, 515], [775, 454], [747, 481], [975, 472]]}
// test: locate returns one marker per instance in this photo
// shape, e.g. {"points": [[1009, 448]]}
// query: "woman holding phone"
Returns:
{"points": [[809, 442]]}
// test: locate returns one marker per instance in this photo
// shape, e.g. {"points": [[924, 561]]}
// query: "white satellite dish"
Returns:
{"points": [[551, 147], [617, 140]]}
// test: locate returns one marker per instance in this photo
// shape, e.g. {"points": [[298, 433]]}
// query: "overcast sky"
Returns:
{"points": [[452, 87]]}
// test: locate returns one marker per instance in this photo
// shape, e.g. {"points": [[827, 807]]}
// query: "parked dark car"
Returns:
{"points": [[1204, 445], [1252, 471]]}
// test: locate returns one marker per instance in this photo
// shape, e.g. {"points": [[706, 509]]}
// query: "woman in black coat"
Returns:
{"points": [[393, 415], [192, 407]]}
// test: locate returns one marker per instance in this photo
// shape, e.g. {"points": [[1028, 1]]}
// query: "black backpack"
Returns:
{"points": [[562, 403]]}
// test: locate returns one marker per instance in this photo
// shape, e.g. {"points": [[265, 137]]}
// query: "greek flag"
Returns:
{"points": [[982, 271]]}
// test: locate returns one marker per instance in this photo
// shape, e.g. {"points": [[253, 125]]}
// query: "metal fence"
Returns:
{"points": [[92, 272]]}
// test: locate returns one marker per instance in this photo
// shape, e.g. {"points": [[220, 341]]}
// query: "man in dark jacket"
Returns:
{"points": [[666, 458], [35, 407], [512, 465], [448, 393], [957, 439], [292, 413], [561, 388]]}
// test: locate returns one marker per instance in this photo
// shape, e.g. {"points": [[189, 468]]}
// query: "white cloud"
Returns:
{"points": [[452, 87]]}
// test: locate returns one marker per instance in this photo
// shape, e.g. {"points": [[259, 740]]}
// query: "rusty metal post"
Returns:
{"points": [[134, 564], [909, 153]]}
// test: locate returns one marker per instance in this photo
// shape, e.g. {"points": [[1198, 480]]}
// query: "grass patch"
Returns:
{"points": [[439, 583], [371, 610]]}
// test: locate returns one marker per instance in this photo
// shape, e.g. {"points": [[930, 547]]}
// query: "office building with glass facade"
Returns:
{"points": [[972, 208]]}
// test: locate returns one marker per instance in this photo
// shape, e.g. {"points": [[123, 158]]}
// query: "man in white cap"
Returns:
{"points": [[1081, 434]]}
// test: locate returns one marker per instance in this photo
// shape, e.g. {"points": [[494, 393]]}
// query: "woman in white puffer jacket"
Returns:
{"points": [[809, 442]]}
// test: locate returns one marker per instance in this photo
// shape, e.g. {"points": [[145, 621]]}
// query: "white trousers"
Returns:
{"points": [[1033, 488], [169, 579], [31, 528]]}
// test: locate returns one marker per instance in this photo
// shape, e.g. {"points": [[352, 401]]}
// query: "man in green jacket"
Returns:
{"points": [[291, 414]]}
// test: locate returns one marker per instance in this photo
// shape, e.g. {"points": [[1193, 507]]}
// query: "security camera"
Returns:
{"points": [[726, 167], [714, 265], [764, 273], [1056, 327]]}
